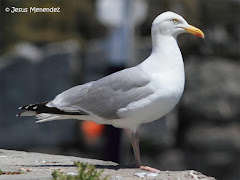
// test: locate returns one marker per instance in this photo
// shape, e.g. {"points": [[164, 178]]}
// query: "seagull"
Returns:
{"points": [[133, 96]]}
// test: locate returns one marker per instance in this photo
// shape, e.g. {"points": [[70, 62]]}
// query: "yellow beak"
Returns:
{"points": [[195, 31]]}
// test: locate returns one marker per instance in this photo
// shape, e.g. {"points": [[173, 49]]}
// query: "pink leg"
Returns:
{"points": [[135, 145]]}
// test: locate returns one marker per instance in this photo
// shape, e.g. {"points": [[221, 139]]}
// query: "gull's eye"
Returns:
{"points": [[174, 20]]}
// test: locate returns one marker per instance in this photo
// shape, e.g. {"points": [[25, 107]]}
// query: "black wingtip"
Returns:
{"points": [[42, 108]]}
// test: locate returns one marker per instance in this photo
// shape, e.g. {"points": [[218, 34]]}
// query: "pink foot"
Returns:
{"points": [[147, 168]]}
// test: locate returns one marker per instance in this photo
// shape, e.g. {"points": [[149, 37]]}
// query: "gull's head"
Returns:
{"points": [[172, 24]]}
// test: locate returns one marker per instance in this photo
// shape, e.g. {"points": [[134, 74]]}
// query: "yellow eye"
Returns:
{"points": [[175, 20]]}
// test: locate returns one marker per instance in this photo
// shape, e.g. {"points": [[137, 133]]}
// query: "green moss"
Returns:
{"points": [[85, 172], [10, 172]]}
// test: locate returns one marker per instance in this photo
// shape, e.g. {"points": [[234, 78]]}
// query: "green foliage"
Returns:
{"points": [[10, 172], [85, 172]]}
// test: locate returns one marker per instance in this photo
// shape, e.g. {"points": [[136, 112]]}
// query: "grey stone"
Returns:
{"points": [[40, 166], [212, 90], [213, 138]]}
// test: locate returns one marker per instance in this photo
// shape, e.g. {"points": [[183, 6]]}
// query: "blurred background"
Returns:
{"points": [[43, 54]]}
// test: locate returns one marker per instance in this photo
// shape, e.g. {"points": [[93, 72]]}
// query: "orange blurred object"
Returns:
{"points": [[91, 131]]}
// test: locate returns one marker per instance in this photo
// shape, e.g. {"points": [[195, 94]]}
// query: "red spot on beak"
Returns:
{"points": [[198, 35]]}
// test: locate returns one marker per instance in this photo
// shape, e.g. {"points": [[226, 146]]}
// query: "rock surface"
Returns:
{"points": [[40, 166]]}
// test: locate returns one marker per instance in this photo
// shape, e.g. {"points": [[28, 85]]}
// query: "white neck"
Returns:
{"points": [[161, 43], [165, 55]]}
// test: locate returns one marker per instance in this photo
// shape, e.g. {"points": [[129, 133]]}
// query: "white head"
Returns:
{"points": [[172, 24]]}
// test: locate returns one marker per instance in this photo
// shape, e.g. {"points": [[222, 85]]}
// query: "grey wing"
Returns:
{"points": [[103, 98]]}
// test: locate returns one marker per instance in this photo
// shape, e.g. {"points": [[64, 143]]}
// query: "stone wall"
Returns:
{"points": [[28, 75]]}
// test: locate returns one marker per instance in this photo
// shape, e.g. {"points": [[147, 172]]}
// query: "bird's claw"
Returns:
{"points": [[147, 168]]}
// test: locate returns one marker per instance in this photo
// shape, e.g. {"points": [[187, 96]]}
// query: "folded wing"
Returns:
{"points": [[103, 98]]}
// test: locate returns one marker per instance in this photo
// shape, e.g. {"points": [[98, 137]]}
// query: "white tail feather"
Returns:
{"points": [[27, 113], [44, 117]]}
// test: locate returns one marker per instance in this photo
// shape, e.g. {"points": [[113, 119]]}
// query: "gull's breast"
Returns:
{"points": [[168, 88]]}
